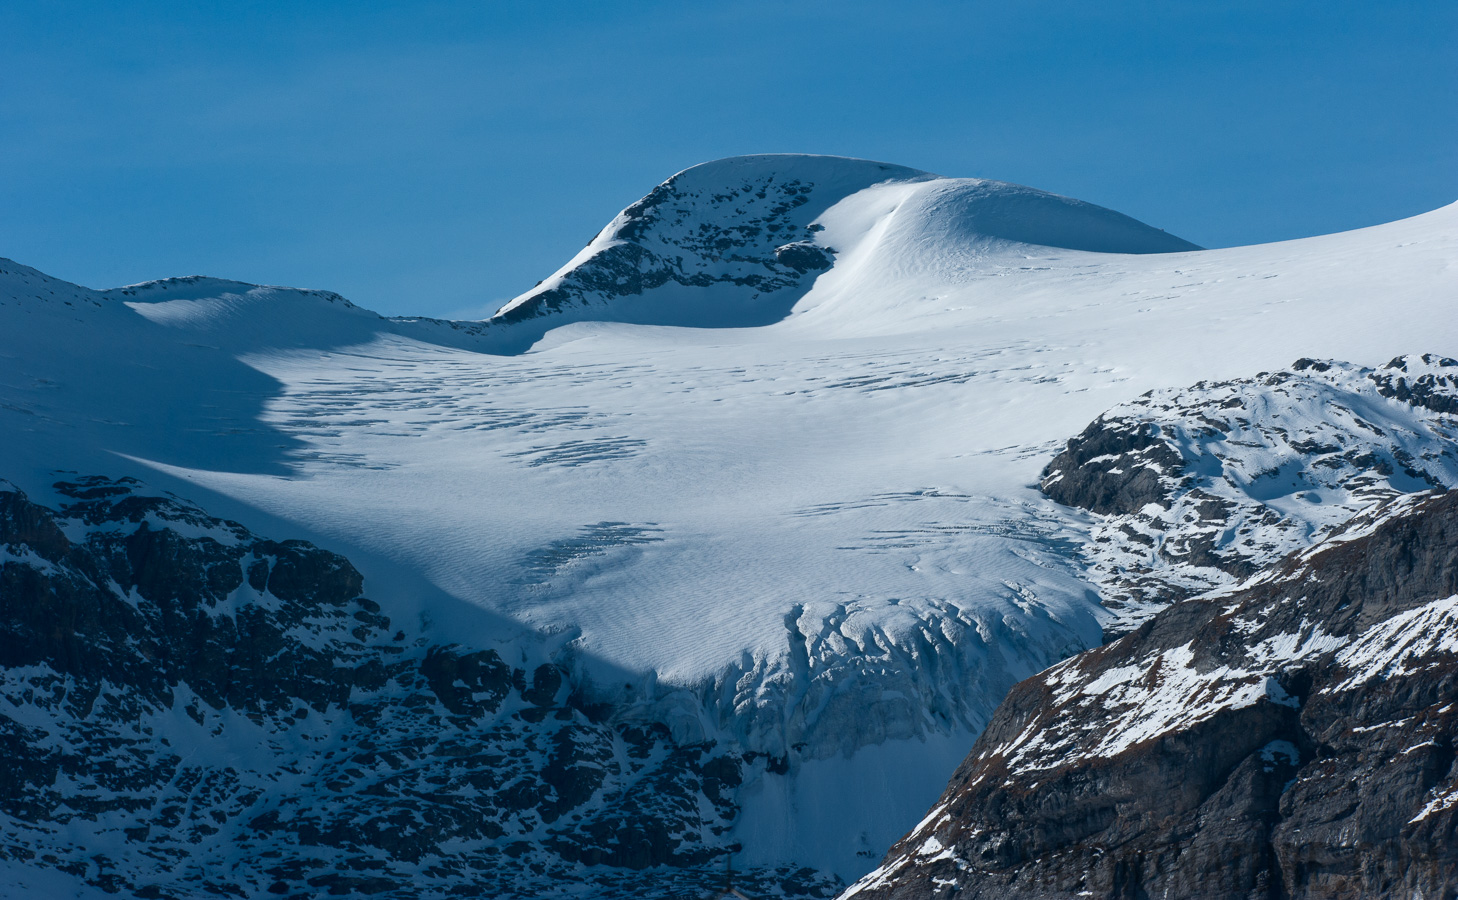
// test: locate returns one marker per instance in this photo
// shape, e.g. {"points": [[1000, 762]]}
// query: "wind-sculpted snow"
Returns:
{"points": [[1294, 737], [1200, 487]]}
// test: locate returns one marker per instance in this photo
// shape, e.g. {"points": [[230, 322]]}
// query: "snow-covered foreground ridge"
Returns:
{"points": [[1293, 736], [760, 465]]}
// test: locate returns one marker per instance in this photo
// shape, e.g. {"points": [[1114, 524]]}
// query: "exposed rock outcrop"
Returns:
{"points": [[745, 222], [1199, 487]]}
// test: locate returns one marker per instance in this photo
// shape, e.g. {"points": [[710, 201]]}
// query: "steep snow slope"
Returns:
{"points": [[819, 537]]}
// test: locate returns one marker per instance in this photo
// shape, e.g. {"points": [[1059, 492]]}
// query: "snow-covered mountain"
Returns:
{"points": [[739, 241], [759, 468]]}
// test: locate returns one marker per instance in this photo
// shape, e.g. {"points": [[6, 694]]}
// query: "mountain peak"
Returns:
{"points": [[744, 222], [737, 241]]}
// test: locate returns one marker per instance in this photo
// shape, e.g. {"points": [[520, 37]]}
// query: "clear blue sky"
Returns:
{"points": [[439, 158]]}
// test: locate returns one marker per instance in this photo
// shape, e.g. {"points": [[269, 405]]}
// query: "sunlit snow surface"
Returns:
{"points": [[816, 534]]}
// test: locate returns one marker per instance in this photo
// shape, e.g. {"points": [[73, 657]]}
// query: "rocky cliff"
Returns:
{"points": [[1291, 738]]}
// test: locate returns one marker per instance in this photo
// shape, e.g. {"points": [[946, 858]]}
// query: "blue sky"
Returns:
{"points": [[439, 158]]}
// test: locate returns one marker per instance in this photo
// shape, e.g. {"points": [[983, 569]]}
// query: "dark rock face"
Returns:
{"points": [[1114, 467], [803, 256], [663, 239], [189, 710], [1293, 739], [1429, 381], [1199, 487]]}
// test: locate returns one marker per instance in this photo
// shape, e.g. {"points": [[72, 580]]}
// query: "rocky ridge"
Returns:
{"points": [[746, 222], [191, 710], [1197, 488], [1290, 738]]}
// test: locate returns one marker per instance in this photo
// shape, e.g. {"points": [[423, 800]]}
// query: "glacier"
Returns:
{"points": [[761, 464]]}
